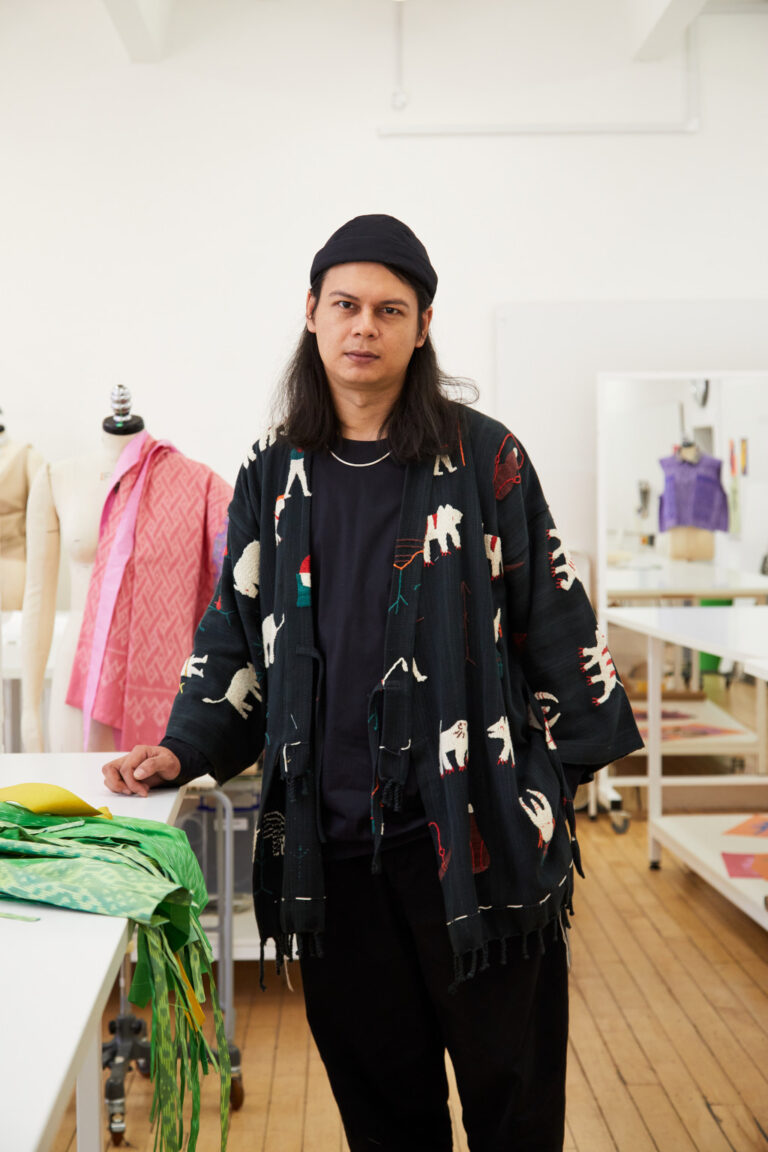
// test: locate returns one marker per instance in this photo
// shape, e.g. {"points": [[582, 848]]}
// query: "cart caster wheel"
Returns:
{"points": [[655, 865], [143, 1067], [236, 1094], [117, 1138], [619, 822]]}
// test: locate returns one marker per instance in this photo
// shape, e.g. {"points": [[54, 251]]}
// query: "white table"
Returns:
{"points": [[660, 579], [736, 633], [57, 973]]}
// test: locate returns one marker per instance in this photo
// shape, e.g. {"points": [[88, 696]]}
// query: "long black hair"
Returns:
{"points": [[423, 422]]}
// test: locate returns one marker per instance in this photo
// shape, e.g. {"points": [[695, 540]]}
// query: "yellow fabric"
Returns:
{"points": [[51, 800]]}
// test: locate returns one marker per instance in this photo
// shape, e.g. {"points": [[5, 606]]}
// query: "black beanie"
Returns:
{"points": [[382, 240]]}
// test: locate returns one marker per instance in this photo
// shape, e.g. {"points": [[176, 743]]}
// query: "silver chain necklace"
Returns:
{"points": [[367, 464]]}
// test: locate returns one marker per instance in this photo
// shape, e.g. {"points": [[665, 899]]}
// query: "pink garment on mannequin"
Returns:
{"points": [[152, 579]]}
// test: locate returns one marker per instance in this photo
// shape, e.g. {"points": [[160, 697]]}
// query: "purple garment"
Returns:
{"points": [[693, 495]]}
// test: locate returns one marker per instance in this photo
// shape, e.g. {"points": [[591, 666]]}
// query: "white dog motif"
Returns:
{"points": [[440, 525], [493, 552], [190, 668], [500, 731], [243, 682], [246, 571], [269, 631], [541, 815], [454, 739]]}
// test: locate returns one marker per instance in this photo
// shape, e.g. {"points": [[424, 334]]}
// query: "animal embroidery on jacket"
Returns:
{"points": [[269, 631], [493, 552], [246, 571], [279, 505], [440, 526], [500, 731], [267, 438], [273, 832], [297, 472], [456, 740], [506, 472], [245, 682], [401, 663], [190, 667], [443, 462], [549, 721], [599, 657], [561, 563], [540, 813], [444, 854], [304, 584]]}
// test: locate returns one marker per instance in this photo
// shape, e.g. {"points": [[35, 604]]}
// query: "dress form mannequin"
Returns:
{"points": [[63, 518], [19, 464]]}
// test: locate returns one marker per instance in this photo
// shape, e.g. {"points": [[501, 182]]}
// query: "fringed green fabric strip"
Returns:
{"points": [[148, 873]]}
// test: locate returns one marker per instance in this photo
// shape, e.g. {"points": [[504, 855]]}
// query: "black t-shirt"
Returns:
{"points": [[355, 519]]}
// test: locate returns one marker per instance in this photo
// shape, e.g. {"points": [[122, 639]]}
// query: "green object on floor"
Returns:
{"points": [[147, 872]]}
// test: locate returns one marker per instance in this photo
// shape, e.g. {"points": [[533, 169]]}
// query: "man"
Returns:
{"points": [[401, 631]]}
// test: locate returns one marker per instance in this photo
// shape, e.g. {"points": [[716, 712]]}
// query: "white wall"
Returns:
{"points": [[158, 220]]}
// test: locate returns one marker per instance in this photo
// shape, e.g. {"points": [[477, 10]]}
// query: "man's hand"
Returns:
{"points": [[143, 768]]}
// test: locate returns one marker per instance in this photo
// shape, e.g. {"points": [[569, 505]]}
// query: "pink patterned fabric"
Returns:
{"points": [[171, 531]]}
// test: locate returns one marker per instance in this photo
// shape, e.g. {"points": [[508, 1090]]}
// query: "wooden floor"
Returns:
{"points": [[669, 1027]]}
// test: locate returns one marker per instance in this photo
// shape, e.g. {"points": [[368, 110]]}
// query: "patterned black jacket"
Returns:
{"points": [[494, 675]]}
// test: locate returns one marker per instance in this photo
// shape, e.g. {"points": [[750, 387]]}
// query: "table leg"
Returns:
{"points": [[761, 692], [653, 747], [90, 1122]]}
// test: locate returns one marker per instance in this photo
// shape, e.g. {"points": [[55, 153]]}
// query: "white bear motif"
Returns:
{"points": [[493, 552], [500, 731], [243, 682], [440, 525], [269, 631], [454, 739], [606, 673], [246, 571], [541, 815], [561, 564], [443, 462]]}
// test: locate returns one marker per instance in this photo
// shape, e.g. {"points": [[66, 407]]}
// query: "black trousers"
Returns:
{"points": [[380, 1010]]}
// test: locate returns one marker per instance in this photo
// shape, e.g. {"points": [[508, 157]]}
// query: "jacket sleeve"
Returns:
{"points": [[220, 708], [552, 630]]}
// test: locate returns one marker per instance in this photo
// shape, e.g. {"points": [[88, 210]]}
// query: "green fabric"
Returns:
{"points": [[147, 872]]}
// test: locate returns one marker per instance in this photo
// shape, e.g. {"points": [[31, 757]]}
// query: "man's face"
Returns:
{"points": [[367, 325]]}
